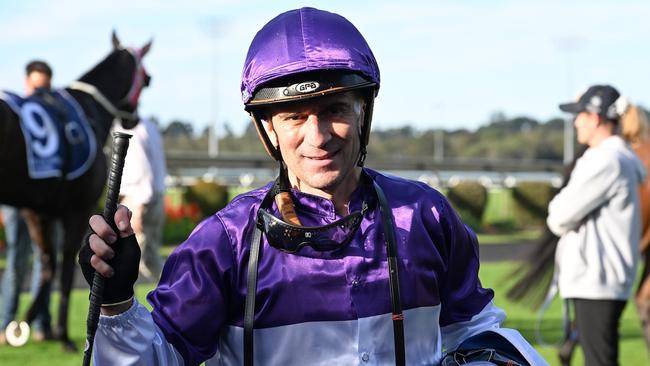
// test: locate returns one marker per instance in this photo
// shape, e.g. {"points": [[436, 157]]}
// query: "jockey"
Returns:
{"points": [[332, 263]]}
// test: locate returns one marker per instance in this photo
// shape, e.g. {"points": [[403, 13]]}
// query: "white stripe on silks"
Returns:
{"points": [[366, 341], [133, 338]]}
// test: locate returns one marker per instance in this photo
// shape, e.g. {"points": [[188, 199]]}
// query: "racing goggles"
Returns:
{"points": [[291, 238]]}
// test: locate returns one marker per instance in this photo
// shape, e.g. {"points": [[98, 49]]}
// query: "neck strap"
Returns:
{"points": [[102, 100]]}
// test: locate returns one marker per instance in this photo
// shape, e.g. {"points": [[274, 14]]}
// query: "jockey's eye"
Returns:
{"points": [[147, 80], [336, 110]]}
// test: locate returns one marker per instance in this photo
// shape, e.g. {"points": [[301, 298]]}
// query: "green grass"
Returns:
{"points": [[494, 275], [497, 276], [51, 353], [499, 207], [505, 238]]}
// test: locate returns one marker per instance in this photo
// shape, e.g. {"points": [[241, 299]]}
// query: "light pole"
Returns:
{"points": [[439, 147], [438, 133], [567, 46], [212, 25]]}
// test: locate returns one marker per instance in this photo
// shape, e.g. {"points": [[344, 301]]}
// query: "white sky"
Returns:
{"points": [[447, 64]]}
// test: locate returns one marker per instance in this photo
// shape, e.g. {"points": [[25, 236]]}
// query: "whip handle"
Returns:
{"points": [[120, 145]]}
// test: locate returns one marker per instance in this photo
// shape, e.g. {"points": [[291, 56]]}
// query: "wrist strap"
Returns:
{"points": [[118, 303]]}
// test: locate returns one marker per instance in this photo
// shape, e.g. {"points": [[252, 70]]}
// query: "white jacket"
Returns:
{"points": [[597, 216], [144, 166]]}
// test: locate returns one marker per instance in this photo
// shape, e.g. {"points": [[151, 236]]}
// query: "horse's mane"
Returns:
{"points": [[535, 273]]}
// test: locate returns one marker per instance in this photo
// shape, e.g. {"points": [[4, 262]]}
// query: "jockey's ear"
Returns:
{"points": [[115, 41], [146, 48]]}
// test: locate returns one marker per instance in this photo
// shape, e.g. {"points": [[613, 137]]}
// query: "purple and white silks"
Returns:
{"points": [[318, 308]]}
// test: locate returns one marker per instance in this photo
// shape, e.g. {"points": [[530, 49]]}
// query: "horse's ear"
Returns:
{"points": [[146, 47], [115, 40]]}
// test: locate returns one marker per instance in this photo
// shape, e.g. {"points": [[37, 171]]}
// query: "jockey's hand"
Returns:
{"points": [[114, 256]]}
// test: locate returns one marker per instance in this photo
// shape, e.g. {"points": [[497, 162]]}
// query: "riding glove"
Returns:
{"points": [[125, 263]]}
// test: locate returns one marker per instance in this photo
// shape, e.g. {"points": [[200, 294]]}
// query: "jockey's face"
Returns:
{"points": [[319, 141], [36, 80]]}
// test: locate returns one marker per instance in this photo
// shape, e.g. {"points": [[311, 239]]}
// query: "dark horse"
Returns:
{"points": [[107, 92], [534, 276]]}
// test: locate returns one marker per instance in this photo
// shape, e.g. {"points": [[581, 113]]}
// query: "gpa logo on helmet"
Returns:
{"points": [[307, 87]]}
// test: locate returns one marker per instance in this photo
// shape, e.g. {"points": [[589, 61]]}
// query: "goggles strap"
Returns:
{"points": [[396, 305], [251, 284], [393, 278], [251, 289]]}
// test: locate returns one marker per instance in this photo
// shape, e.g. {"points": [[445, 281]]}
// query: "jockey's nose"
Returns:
{"points": [[317, 131]]}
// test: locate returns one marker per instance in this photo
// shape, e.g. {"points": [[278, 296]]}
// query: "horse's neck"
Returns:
{"points": [[112, 78], [8, 125], [642, 150], [100, 120]]}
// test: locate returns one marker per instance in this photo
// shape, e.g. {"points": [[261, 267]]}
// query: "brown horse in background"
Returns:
{"points": [[536, 271], [635, 129], [107, 92]]}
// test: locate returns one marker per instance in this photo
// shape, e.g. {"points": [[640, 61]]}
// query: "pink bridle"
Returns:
{"points": [[139, 75]]}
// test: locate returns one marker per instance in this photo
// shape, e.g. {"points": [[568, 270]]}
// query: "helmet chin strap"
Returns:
{"points": [[364, 131], [283, 198], [362, 156]]}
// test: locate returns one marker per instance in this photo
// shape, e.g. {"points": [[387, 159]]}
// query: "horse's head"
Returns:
{"points": [[139, 79], [116, 82]]}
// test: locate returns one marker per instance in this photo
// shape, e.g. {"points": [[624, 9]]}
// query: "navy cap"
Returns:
{"points": [[600, 99]]}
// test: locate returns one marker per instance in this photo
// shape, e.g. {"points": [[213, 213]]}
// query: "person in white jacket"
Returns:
{"points": [[143, 191], [596, 216]]}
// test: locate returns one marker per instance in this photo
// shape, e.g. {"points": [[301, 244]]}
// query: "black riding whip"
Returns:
{"points": [[120, 145]]}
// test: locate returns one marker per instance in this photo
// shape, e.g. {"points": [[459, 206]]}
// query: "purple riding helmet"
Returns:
{"points": [[307, 53]]}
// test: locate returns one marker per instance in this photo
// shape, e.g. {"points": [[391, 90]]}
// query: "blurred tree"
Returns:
{"points": [[501, 138], [179, 128]]}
